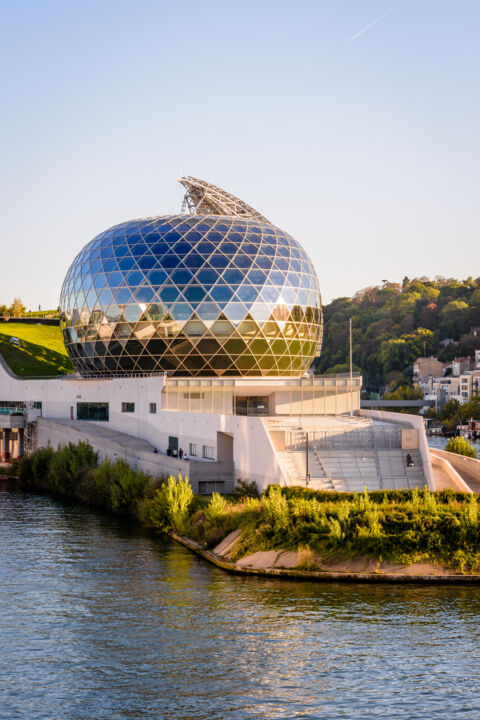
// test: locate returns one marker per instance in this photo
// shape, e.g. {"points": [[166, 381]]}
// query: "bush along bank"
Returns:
{"points": [[404, 527]]}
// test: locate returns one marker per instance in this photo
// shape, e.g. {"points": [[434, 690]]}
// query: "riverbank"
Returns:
{"points": [[295, 530], [356, 570]]}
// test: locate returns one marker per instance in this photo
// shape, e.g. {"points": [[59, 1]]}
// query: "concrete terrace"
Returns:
{"points": [[346, 453]]}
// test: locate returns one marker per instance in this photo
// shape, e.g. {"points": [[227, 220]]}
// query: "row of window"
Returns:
{"points": [[208, 452], [129, 407], [100, 411]]}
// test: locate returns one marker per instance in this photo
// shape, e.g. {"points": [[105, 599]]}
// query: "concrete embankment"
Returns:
{"points": [[265, 564], [468, 469]]}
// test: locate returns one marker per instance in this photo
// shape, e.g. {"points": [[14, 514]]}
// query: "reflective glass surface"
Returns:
{"points": [[192, 294]]}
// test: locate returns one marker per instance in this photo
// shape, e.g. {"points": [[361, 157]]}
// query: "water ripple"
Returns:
{"points": [[100, 621]]}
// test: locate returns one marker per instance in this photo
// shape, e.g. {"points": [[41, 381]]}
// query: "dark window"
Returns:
{"points": [[251, 405], [205, 487], [208, 452], [128, 407], [92, 411], [152, 408]]}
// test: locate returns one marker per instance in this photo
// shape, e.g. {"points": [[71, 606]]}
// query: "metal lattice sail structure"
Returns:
{"points": [[203, 198], [219, 291]]}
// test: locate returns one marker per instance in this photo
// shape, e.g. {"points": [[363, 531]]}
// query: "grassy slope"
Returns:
{"points": [[42, 351], [403, 527]]}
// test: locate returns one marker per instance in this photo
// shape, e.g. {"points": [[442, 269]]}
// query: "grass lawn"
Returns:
{"points": [[42, 351]]}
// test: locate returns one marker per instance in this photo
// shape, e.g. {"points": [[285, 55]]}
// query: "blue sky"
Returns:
{"points": [[366, 150]]}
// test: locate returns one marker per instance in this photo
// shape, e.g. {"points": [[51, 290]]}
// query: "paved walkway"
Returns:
{"points": [[101, 431]]}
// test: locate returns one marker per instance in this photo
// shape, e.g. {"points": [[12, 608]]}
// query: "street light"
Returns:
{"points": [[307, 474]]}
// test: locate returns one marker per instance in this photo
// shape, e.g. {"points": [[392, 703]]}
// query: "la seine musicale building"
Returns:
{"points": [[192, 336]]}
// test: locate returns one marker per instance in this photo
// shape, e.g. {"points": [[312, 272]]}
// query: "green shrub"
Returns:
{"points": [[169, 509], [460, 446], [396, 525], [246, 488], [25, 470], [215, 510], [41, 462], [71, 468], [127, 487], [275, 508]]}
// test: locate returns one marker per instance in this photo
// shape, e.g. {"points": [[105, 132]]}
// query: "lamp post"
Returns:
{"points": [[307, 473], [351, 371]]}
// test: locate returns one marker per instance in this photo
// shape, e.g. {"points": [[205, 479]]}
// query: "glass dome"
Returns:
{"points": [[195, 295]]}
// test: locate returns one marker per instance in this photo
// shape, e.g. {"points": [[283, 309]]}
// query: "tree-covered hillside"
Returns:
{"points": [[393, 324]]}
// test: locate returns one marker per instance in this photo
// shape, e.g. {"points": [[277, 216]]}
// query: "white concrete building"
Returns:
{"points": [[192, 336]]}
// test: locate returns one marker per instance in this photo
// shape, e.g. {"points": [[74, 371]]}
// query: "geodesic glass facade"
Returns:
{"points": [[192, 294]]}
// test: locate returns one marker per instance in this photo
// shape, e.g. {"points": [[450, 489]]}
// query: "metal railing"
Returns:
{"points": [[375, 439]]}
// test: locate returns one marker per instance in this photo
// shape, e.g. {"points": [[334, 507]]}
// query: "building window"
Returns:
{"points": [[192, 449], [92, 411], [128, 407], [152, 408], [254, 405], [37, 405], [208, 453], [205, 487]]}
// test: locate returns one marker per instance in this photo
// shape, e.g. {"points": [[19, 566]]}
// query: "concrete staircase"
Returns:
{"points": [[348, 457], [395, 473], [294, 464], [354, 469]]}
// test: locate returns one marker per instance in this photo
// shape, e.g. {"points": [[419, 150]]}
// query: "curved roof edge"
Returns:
{"points": [[203, 198]]}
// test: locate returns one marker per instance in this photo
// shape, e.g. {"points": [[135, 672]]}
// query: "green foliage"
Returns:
{"points": [[405, 526], [246, 488], [404, 392], [454, 413], [41, 351], [40, 463], [216, 508], [170, 507], [275, 508], [393, 324], [397, 525], [461, 446], [127, 487], [71, 468]]}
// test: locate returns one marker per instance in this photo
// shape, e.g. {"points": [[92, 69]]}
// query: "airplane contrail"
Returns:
{"points": [[374, 22]]}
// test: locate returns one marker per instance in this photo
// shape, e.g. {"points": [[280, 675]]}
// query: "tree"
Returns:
{"points": [[450, 409], [460, 446], [404, 392], [17, 308]]}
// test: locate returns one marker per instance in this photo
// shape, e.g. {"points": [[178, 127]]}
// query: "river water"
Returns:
{"points": [[439, 442], [98, 620]]}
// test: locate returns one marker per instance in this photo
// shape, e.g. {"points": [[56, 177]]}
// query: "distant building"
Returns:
{"points": [[469, 385], [461, 365], [424, 367], [447, 341]]}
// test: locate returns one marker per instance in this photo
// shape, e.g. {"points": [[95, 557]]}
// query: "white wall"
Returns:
{"points": [[253, 453]]}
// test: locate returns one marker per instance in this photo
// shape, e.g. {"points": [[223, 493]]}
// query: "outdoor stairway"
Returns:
{"points": [[346, 454], [394, 471], [354, 469], [295, 468]]}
